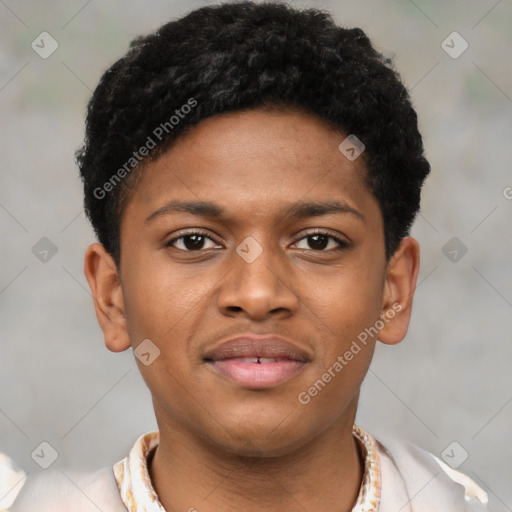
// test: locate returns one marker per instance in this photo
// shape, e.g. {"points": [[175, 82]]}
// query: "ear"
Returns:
{"points": [[401, 277], [103, 278]]}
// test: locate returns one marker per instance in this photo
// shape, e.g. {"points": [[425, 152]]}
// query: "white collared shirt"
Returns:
{"points": [[398, 476], [138, 494]]}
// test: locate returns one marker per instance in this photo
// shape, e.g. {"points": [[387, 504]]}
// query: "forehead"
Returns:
{"points": [[253, 163]]}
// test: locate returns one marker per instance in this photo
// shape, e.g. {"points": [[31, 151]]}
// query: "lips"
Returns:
{"points": [[257, 346], [257, 361]]}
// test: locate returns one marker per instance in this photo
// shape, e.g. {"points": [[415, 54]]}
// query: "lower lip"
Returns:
{"points": [[257, 375]]}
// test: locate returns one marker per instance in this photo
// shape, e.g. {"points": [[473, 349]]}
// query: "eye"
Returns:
{"points": [[320, 240], [195, 240], [192, 241]]}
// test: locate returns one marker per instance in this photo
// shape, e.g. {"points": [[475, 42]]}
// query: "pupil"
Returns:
{"points": [[196, 244], [322, 244]]}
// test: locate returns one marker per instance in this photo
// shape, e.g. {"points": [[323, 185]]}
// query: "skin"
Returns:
{"points": [[238, 448]]}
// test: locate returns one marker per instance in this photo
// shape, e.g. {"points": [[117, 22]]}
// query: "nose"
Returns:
{"points": [[260, 283]]}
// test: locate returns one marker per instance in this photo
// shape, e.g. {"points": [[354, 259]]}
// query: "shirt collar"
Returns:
{"points": [[138, 494]]}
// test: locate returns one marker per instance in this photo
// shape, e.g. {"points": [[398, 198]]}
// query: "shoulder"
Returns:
{"points": [[56, 491], [415, 480], [12, 481]]}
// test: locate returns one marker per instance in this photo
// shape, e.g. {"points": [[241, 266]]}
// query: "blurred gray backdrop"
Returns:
{"points": [[448, 382]]}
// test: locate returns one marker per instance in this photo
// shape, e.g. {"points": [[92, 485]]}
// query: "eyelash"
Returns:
{"points": [[342, 244]]}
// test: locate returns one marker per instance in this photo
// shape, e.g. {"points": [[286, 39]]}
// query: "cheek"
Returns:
{"points": [[165, 306], [346, 301], [344, 318], [346, 307], [156, 300]]}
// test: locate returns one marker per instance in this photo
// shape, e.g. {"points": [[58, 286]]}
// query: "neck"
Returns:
{"points": [[191, 474]]}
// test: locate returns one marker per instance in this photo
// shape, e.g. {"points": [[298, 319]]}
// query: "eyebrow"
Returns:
{"points": [[299, 210]]}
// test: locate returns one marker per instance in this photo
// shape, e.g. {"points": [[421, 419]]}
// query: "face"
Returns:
{"points": [[257, 259]]}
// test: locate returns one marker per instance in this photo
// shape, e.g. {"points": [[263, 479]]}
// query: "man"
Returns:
{"points": [[252, 172]]}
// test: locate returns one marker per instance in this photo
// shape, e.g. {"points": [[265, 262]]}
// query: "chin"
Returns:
{"points": [[259, 447], [263, 435]]}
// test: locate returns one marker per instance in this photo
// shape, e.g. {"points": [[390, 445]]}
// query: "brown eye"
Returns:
{"points": [[191, 242], [319, 240]]}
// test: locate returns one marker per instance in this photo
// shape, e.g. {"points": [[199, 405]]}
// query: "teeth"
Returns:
{"points": [[260, 360], [249, 359]]}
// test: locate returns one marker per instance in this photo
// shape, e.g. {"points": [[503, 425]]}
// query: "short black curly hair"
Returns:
{"points": [[246, 55]]}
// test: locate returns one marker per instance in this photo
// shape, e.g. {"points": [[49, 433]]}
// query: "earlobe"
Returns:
{"points": [[399, 287], [103, 278]]}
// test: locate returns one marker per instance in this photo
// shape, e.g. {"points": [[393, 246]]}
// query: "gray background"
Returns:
{"points": [[450, 379]]}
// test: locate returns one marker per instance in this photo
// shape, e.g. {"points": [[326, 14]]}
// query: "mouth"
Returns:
{"points": [[256, 362]]}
